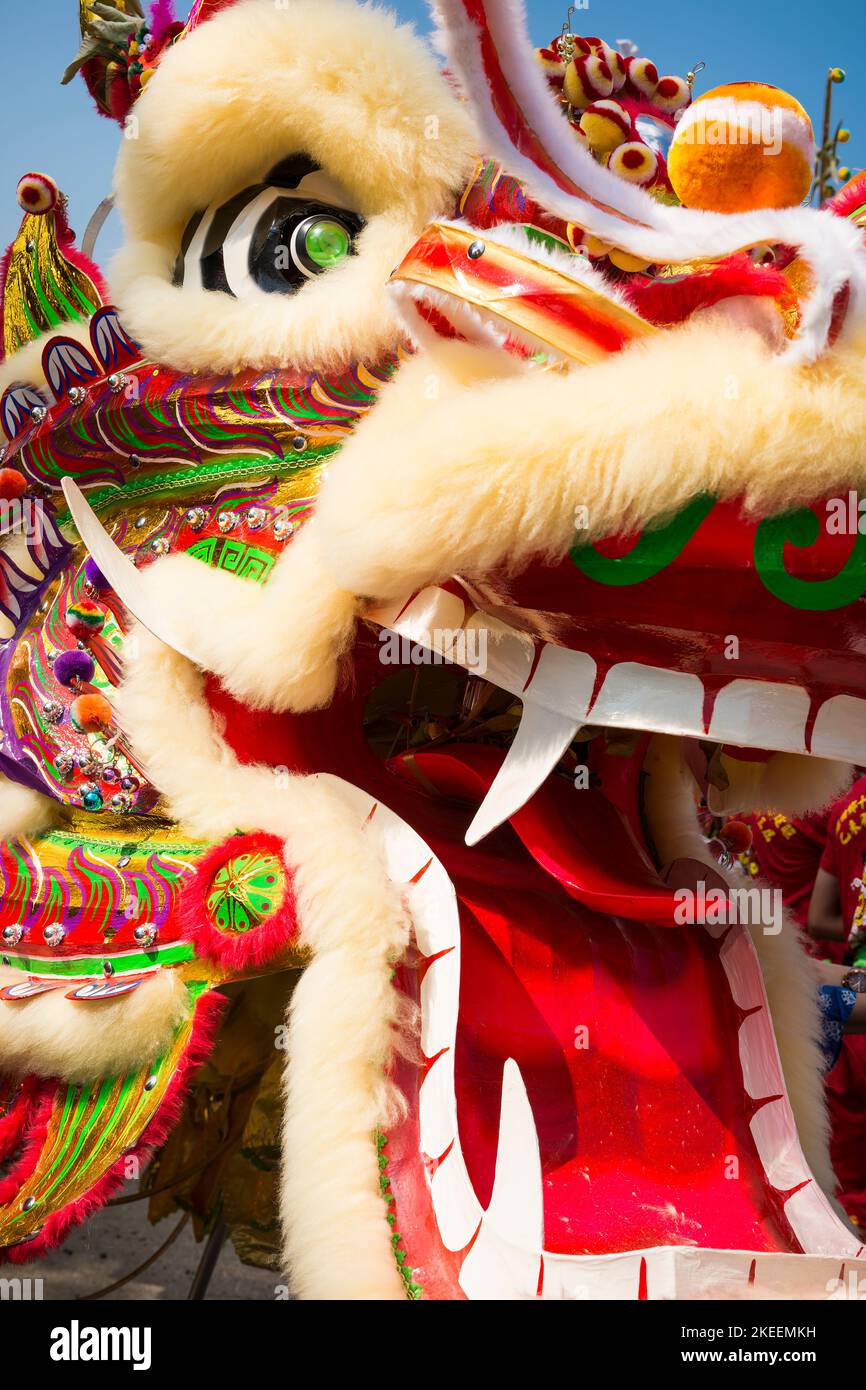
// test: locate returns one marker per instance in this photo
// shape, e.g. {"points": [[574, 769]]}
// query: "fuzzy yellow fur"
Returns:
{"points": [[788, 782], [25, 365], [344, 1018], [23, 810], [496, 477], [51, 1035], [341, 82]]}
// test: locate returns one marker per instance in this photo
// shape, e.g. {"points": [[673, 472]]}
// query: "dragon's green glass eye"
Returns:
{"points": [[326, 243]]}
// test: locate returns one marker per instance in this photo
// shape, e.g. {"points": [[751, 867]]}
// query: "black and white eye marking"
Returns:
{"points": [[271, 237]]}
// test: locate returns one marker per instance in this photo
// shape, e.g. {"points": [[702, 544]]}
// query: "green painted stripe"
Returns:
{"points": [[81, 1132], [175, 848], [86, 966], [129, 1081], [234, 470], [72, 314], [51, 314]]}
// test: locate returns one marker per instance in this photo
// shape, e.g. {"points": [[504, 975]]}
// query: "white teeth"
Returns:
{"points": [[440, 994], [637, 696], [505, 1260], [432, 610], [127, 582], [563, 681], [840, 729], [508, 655], [749, 713], [458, 1211], [437, 1109], [738, 958], [817, 1227], [540, 742], [433, 904], [759, 1061], [776, 1141], [759, 714]]}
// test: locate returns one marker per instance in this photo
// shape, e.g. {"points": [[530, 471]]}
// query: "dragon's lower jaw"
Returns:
{"points": [[600, 1109]]}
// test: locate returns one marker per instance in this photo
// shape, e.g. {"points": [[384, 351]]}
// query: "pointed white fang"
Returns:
{"points": [[505, 1260], [761, 714], [124, 578], [840, 729], [540, 742]]}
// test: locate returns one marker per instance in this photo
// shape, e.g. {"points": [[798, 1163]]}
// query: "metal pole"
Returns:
{"points": [[207, 1264]]}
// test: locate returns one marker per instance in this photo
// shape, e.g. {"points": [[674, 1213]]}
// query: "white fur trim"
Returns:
{"points": [[51, 1035], [343, 83], [344, 1017]]}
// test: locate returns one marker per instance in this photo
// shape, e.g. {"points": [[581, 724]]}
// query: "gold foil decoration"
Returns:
{"points": [[42, 290]]}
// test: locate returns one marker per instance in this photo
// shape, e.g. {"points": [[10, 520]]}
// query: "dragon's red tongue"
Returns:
{"points": [[625, 1035]]}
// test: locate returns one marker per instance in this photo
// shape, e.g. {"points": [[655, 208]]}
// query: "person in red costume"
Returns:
{"points": [[787, 851], [836, 914]]}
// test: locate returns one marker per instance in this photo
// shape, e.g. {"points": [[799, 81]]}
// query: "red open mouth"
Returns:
{"points": [[598, 1108]]}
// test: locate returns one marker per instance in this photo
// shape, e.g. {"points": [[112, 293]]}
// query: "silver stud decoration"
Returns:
{"points": [[28, 1204], [161, 545], [256, 518], [476, 250], [116, 382], [53, 711], [283, 527], [64, 763], [150, 1082], [121, 802], [38, 414], [299, 443], [53, 935], [227, 521], [196, 518], [77, 394], [12, 935], [145, 935]]}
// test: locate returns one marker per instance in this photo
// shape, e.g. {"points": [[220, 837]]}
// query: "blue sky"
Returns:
{"points": [[786, 42]]}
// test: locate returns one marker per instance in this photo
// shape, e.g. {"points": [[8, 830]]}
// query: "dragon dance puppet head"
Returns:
{"points": [[446, 505]]}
